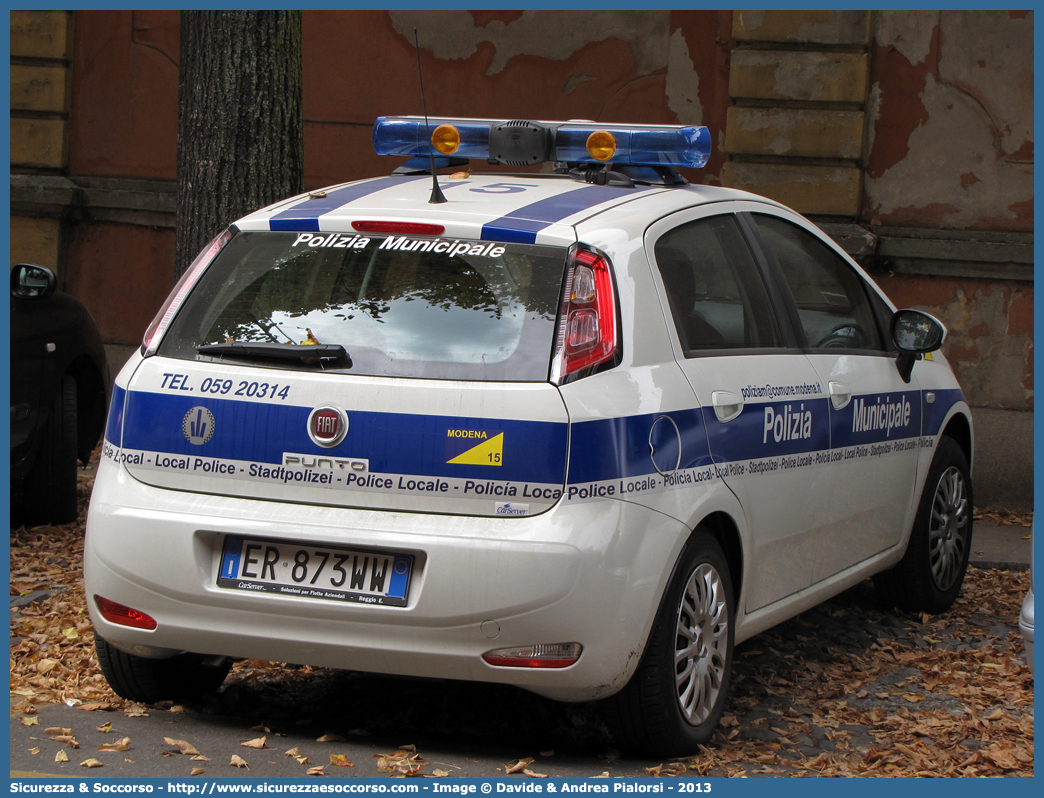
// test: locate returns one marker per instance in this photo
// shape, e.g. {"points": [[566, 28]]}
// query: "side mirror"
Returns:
{"points": [[32, 282], [914, 333]]}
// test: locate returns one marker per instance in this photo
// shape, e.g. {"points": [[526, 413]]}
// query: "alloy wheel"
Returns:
{"points": [[948, 530], [701, 644]]}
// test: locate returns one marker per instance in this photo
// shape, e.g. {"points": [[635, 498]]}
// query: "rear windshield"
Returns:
{"points": [[399, 305]]}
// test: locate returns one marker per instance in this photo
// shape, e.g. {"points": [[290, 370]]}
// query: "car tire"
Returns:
{"points": [[185, 676], [929, 576], [676, 697], [49, 489]]}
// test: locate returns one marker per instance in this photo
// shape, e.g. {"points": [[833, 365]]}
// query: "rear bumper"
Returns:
{"points": [[589, 573]]}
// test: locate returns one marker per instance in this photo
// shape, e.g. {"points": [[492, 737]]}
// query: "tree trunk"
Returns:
{"points": [[240, 133]]}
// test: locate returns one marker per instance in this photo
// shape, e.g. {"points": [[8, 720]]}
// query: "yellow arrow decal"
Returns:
{"points": [[489, 453]]}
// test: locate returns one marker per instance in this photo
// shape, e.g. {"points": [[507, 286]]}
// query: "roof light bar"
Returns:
{"points": [[570, 142]]}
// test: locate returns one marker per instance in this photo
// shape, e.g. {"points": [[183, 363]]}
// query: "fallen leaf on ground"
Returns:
{"points": [[30, 720], [519, 766], [341, 760], [105, 728], [258, 742], [95, 706], [533, 774], [57, 730], [183, 746], [316, 771], [123, 744], [61, 756], [91, 763], [239, 762], [197, 771], [330, 738]]}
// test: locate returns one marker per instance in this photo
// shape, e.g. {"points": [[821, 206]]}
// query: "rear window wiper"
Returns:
{"points": [[308, 353]]}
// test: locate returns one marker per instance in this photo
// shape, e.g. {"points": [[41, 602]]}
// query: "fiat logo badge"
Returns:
{"points": [[327, 425]]}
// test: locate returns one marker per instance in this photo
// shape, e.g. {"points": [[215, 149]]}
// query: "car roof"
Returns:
{"points": [[522, 208]]}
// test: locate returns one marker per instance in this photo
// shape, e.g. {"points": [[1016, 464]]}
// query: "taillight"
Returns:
{"points": [[586, 333], [154, 334], [122, 615]]}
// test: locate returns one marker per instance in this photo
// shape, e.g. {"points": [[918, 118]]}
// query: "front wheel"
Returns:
{"points": [[931, 573], [676, 697]]}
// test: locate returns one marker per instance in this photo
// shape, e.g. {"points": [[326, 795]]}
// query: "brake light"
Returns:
{"points": [[587, 322], [543, 655], [154, 334], [401, 228], [124, 616]]}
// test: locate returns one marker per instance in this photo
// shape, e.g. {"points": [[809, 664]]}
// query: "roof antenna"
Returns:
{"points": [[436, 191]]}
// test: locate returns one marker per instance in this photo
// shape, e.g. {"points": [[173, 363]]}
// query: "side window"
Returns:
{"points": [[717, 296], [832, 301]]}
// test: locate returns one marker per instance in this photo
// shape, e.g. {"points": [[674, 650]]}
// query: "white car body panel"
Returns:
{"points": [[641, 458]]}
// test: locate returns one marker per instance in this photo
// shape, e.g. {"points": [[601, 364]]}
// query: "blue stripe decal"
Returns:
{"points": [[522, 225], [603, 449], [935, 413], [394, 443], [876, 418], [770, 430], [305, 215], [114, 422], [617, 448]]}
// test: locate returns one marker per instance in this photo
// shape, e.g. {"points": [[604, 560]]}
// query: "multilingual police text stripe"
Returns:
{"points": [[394, 443], [600, 449]]}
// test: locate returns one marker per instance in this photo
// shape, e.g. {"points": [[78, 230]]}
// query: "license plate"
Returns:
{"points": [[316, 571]]}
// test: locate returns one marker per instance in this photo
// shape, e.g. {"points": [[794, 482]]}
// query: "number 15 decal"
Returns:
{"points": [[503, 188]]}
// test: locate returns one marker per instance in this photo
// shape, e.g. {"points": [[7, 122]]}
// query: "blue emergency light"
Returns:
{"points": [[523, 143]]}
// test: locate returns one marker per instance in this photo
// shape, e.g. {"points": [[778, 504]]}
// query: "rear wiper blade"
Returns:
{"points": [[309, 353]]}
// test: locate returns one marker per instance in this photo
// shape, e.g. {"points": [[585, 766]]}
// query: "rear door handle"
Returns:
{"points": [[840, 394], [726, 405]]}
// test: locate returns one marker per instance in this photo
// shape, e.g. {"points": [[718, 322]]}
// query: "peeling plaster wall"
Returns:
{"points": [[664, 67], [654, 67], [951, 108]]}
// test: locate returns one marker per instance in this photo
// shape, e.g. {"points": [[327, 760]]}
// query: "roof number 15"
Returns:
{"points": [[503, 188]]}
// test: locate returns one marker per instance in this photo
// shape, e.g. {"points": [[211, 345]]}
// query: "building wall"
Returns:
{"points": [[907, 135]]}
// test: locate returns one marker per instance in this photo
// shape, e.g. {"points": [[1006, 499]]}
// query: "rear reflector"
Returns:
{"points": [[400, 228], [543, 655], [124, 616]]}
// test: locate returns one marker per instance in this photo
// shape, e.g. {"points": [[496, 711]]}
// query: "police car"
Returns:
{"points": [[580, 431]]}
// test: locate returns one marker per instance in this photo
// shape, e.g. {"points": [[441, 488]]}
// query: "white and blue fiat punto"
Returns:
{"points": [[579, 431]]}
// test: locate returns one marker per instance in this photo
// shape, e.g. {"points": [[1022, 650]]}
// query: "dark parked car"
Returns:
{"points": [[59, 395]]}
